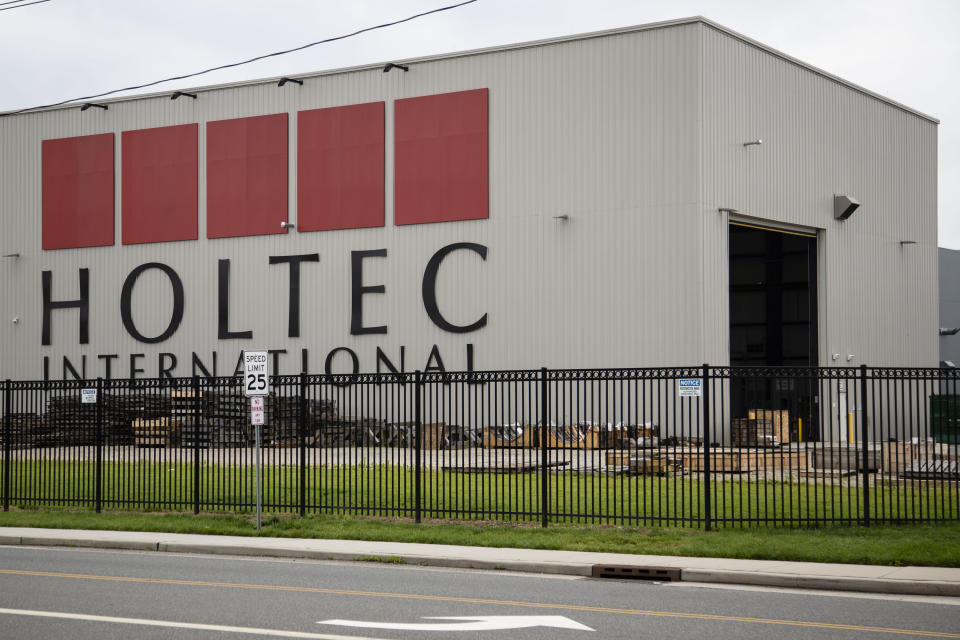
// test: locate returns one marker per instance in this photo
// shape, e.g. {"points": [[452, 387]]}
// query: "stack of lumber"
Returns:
{"points": [[194, 430], [67, 422], [780, 419], [753, 432], [155, 432], [21, 428]]}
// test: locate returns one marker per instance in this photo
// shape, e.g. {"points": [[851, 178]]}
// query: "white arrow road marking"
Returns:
{"points": [[277, 633], [479, 623]]}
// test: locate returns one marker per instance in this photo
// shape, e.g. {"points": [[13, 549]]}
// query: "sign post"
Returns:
{"points": [[256, 386]]}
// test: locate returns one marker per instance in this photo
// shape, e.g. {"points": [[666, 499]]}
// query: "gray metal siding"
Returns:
{"points": [[878, 297], [603, 130], [950, 303]]}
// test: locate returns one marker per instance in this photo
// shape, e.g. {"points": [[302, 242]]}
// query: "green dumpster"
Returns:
{"points": [[945, 418]]}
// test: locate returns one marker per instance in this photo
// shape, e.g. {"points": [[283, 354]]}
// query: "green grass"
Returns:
{"points": [[384, 490], [921, 545]]}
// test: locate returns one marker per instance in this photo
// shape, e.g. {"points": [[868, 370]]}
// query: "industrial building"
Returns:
{"points": [[666, 194]]}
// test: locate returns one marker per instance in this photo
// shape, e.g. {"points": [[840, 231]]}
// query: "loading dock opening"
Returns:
{"points": [[773, 320]]}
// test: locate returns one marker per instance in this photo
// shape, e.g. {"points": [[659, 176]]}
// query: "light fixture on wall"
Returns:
{"points": [[844, 206], [284, 80], [177, 94], [87, 105], [948, 331], [756, 142], [393, 65], [12, 255], [563, 217], [287, 225], [906, 242]]}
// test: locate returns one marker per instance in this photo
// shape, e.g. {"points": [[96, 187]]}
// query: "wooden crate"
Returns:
{"points": [[654, 464], [780, 419], [751, 432], [155, 432], [498, 437]]}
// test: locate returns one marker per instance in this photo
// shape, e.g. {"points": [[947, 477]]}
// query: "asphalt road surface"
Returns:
{"points": [[93, 594]]}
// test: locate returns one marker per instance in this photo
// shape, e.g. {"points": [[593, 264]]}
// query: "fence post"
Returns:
{"points": [[302, 433], [418, 426], [99, 470], [7, 415], [707, 489], [865, 455], [544, 421], [195, 385]]}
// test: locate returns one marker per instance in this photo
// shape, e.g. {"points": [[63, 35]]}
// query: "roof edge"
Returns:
{"points": [[498, 48]]}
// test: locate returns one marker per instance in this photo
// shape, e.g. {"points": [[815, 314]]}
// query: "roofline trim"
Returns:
{"points": [[511, 47]]}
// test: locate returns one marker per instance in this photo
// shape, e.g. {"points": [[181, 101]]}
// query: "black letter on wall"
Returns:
{"points": [[126, 296], [357, 291], [46, 280], [223, 304], [293, 327], [430, 288]]}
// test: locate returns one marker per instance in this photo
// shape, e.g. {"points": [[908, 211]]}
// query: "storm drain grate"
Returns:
{"points": [[632, 572]]}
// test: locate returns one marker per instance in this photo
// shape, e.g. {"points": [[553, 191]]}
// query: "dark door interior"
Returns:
{"points": [[773, 320]]}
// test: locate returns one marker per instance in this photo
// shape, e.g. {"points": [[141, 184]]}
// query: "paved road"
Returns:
{"points": [[149, 595]]}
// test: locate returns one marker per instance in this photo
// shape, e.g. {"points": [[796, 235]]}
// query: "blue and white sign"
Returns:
{"points": [[690, 387], [88, 396]]}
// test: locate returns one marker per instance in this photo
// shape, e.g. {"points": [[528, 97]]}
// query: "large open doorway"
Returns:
{"points": [[773, 321]]}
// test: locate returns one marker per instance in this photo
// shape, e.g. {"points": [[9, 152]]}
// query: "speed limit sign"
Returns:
{"points": [[256, 381]]}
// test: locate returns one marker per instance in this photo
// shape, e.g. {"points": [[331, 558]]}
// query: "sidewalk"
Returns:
{"points": [[809, 575]]}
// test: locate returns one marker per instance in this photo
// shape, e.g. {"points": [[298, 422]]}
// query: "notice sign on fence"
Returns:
{"points": [[690, 387], [256, 411], [88, 396]]}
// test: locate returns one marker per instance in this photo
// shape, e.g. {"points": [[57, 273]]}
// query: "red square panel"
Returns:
{"points": [[159, 184], [246, 176], [340, 158], [441, 166], [77, 179]]}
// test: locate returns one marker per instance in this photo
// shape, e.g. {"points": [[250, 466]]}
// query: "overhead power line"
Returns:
{"points": [[238, 64], [20, 6]]}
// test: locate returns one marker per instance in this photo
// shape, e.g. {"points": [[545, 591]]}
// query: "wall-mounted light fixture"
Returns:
{"points": [[757, 142], [906, 242], [850, 357], [11, 255], [844, 206], [287, 225], [947, 331], [834, 356], [563, 217], [393, 65], [285, 80], [177, 94], [87, 105]]}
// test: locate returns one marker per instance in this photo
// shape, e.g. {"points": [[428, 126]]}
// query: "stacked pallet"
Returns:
{"points": [[67, 422], [780, 419], [21, 428], [753, 432], [155, 432], [194, 429], [228, 416]]}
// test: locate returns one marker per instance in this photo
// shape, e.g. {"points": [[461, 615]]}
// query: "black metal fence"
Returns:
{"points": [[697, 446]]}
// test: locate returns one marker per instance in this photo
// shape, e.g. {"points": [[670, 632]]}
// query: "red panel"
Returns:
{"points": [[159, 184], [77, 178], [340, 158], [441, 166], [246, 176]]}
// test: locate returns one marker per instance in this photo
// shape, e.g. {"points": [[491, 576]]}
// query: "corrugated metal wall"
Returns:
{"points": [[605, 130], [877, 297]]}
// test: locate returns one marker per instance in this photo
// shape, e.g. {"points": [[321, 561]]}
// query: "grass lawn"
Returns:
{"points": [[391, 491]]}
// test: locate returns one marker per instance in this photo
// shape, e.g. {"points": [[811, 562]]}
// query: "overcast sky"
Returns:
{"points": [[906, 51]]}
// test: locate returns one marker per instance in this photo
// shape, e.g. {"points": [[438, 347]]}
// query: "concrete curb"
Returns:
{"points": [[467, 558]]}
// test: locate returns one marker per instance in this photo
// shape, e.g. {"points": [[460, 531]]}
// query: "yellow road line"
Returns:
{"points": [[508, 603]]}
